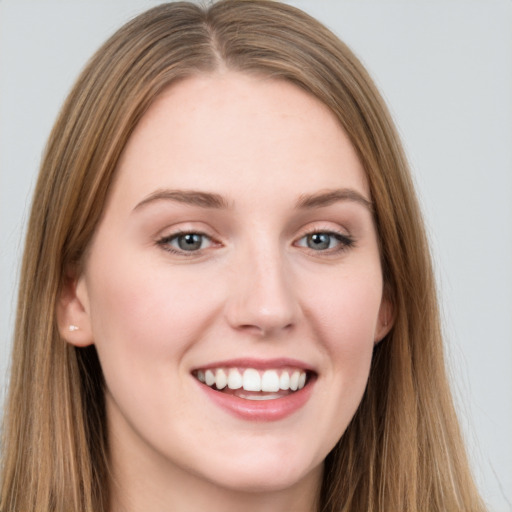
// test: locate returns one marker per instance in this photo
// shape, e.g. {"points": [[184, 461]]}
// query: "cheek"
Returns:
{"points": [[145, 319], [139, 312], [347, 310], [346, 316]]}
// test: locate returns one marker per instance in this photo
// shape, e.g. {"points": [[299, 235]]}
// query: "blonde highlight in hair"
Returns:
{"points": [[403, 449]]}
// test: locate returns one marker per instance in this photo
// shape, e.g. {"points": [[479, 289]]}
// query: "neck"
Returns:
{"points": [[133, 490], [142, 496]]}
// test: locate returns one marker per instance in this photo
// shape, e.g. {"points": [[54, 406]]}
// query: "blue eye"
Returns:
{"points": [[185, 242], [324, 240]]}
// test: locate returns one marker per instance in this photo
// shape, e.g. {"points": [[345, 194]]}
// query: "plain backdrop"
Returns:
{"points": [[445, 69]]}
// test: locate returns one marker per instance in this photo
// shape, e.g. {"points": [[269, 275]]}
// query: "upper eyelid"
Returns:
{"points": [[174, 235], [173, 231], [180, 232], [343, 232], [323, 230], [304, 233], [212, 234], [342, 237]]}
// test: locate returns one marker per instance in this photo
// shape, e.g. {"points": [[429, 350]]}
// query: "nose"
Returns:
{"points": [[262, 299]]}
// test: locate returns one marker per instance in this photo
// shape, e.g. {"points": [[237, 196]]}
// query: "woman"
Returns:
{"points": [[226, 296]]}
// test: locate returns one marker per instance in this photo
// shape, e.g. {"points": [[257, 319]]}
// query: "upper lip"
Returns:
{"points": [[258, 364]]}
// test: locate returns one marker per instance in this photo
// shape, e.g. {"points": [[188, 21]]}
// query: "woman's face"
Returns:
{"points": [[237, 248]]}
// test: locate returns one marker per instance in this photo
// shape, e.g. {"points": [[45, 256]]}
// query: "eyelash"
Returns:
{"points": [[165, 242], [345, 242]]}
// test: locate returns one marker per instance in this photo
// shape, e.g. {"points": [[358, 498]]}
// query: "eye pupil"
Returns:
{"points": [[190, 241], [319, 241]]}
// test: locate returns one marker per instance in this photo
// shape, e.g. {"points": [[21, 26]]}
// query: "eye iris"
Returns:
{"points": [[190, 242], [319, 241]]}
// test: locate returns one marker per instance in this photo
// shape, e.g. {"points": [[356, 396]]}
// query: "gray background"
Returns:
{"points": [[445, 68]]}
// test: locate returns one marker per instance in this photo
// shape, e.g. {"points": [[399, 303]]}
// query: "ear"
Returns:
{"points": [[385, 320], [73, 315]]}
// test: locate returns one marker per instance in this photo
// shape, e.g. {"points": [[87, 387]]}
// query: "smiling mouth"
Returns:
{"points": [[254, 384]]}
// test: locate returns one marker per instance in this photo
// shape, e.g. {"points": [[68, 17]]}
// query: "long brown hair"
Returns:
{"points": [[403, 449]]}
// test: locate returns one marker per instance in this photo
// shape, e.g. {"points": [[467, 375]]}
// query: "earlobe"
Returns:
{"points": [[73, 312], [385, 321]]}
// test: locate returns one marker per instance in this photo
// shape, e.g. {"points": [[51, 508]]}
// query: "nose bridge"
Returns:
{"points": [[262, 293]]}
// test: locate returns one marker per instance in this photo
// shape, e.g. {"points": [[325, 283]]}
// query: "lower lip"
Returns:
{"points": [[260, 410]]}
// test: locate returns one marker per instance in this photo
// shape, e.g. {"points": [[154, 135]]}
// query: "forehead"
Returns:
{"points": [[220, 131]]}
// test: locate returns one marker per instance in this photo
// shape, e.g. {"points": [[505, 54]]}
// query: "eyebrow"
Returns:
{"points": [[323, 199], [189, 197], [216, 201]]}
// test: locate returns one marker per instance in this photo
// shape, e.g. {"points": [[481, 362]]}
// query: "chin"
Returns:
{"points": [[263, 475]]}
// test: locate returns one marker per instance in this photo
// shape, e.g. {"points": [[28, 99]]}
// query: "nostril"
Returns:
{"points": [[264, 323], [264, 330]]}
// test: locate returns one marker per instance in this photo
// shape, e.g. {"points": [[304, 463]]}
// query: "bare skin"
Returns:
{"points": [[238, 233]]}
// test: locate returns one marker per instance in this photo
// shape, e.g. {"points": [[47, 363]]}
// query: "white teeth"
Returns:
{"points": [[302, 380], [234, 379], [209, 378], [260, 397], [221, 379], [252, 380], [294, 381], [270, 381], [284, 381]]}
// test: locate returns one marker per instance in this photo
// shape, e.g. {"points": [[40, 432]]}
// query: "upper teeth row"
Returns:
{"points": [[252, 380]]}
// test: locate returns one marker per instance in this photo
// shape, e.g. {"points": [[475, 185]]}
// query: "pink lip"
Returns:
{"points": [[259, 364], [264, 410], [260, 410]]}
